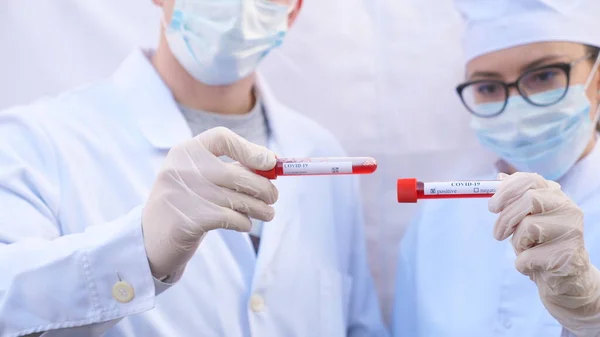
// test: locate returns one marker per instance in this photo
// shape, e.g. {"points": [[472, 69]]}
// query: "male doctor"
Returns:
{"points": [[113, 212]]}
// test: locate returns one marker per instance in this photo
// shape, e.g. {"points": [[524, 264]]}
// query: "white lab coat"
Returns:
{"points": [[456, 280], [74, 172]]}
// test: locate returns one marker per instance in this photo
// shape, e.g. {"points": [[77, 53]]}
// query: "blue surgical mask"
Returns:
{"points": [[545, 140], [220, 42]]}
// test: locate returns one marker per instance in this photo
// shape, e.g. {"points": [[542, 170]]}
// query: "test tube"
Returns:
{"points": [[320, 166], [410, 190]]}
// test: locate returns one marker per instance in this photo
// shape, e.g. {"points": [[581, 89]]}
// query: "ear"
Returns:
{"points": [[597, 81], [595, 86], [294, 13]]}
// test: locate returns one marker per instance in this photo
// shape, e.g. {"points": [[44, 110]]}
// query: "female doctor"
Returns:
{"points": [[532, 88]]}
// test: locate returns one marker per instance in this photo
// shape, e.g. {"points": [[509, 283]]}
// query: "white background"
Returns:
{"points": [[379, 73]]}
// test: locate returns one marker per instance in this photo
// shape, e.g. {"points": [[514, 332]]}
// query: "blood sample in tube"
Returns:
{"points": [[320, 166], [410, 190]]}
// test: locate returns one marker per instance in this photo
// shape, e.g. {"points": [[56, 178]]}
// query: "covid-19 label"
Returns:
{"points": [[460, 187], [317, 168]]}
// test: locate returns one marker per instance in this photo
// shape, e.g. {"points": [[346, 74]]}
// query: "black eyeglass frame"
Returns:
{"points": [[564, 66]]}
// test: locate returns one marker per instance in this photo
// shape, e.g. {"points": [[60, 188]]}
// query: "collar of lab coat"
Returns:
{"points": [[159, 119], [151, 102], [581, 182]]}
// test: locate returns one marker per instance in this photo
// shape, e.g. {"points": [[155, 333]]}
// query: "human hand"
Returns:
{"points": [[547, 236], [196, 192]]}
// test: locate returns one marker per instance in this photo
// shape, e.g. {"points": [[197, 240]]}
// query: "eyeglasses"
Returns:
{"points": [[542, 86]]}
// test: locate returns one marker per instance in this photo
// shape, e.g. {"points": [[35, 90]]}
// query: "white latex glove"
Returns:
{"points": [[196, 192], [547, 235]]}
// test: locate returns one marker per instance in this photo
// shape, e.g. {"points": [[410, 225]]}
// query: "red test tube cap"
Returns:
{"points": [[407, 190]]}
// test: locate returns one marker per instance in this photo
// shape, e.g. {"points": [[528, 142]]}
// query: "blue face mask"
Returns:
{"points": [[220, 42], [545, 140]]}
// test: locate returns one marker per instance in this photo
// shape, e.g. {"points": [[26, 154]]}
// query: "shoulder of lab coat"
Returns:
{"points": [[303, 135], [51, 282]]}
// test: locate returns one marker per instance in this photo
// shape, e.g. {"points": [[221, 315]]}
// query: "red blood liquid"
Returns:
{"points": [[356, 169], [364, 169]]}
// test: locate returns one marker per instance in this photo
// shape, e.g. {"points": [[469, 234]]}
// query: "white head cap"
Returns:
{"points": [[498, 24]]}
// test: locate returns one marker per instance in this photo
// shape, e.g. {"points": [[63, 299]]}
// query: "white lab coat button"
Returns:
{"points": [[257, 303], [123, 292], [507, 324]]}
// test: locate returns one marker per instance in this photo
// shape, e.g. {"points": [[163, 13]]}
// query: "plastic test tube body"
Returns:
{"points": [[410, 190], [320, 166]]}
